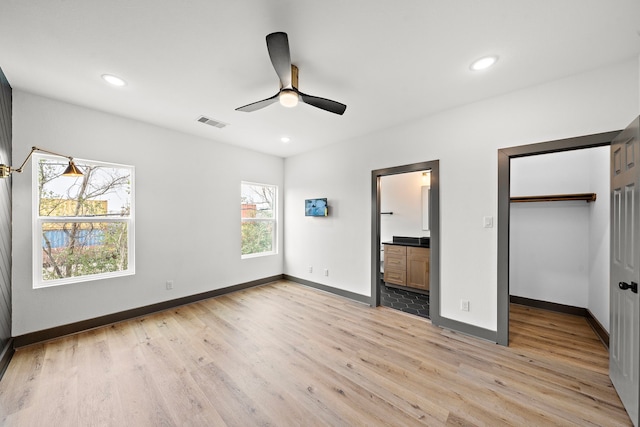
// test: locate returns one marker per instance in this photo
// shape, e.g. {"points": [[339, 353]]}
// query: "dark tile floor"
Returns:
{"points": [[409, 302]]}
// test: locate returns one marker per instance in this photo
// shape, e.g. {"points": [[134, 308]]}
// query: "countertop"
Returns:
{"points": [[415, 245]]}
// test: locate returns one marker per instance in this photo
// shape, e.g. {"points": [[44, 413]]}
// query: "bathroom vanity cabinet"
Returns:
{"points": [[406, 264]]}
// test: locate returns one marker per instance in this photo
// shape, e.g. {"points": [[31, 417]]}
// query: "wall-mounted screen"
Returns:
{"points": [[316, 207]]}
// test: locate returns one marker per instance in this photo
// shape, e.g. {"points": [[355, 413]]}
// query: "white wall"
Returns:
{"points": [[402, 195], [557, 173], [465, 140], [187, 211], [549, 251], [559, 251]]}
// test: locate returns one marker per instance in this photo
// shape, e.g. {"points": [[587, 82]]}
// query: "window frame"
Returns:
{"points": [[38, 222], [274, 221]]}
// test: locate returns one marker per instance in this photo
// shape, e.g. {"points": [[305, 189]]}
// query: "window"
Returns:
{"points": [[258, 219], [83, 226]]}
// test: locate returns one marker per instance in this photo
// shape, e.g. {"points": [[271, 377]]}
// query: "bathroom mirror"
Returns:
{"points": [[426, 190]]}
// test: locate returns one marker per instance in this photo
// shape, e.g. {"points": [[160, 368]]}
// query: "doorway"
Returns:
{"points": [[559, 234], [404, 216], [433, 226], [504, 185]]}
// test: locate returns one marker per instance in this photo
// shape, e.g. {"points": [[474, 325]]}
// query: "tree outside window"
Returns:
{"points": [[84, 225], [258, 219]]}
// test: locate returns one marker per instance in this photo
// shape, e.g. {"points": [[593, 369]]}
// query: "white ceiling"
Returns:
{"points": [[390, 62]]}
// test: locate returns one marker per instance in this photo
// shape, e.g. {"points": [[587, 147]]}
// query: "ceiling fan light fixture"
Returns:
{"points": [[483, 63], [288, 98]]}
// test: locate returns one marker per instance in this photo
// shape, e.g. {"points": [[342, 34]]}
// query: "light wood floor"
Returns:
{"points": [[287, 355]]}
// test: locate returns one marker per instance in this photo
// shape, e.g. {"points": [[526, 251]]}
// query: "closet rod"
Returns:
{"points": [[587, 197]]}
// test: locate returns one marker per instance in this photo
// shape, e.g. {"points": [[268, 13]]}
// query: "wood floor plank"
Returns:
{"points": [[24, 370], [60, 390], [92, 392], [139, 396], [288, 355]]}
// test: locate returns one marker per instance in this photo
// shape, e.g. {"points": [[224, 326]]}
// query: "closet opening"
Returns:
{"points": [[507, 161], [559, 234]]}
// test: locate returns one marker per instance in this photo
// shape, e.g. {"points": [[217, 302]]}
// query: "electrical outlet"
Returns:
{"points": [[310, 269], [326, 271], [464, 305], [169, 285]]}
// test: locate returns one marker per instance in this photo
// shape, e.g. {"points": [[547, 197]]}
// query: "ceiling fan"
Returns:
{"points": [[289, 95]]}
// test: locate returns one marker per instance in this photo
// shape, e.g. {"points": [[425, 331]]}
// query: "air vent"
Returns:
{"points": [[212, 122]]}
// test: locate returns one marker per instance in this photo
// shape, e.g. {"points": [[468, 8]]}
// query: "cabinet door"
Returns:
{"points": [[397, 277], [396, 250], [418, 268], [395, 264]]}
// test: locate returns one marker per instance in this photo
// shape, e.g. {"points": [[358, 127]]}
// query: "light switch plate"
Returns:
{"points": [[487, 222]]}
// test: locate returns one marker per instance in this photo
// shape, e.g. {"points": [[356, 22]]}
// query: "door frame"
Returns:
{"points": [[434, 227], [504, 184]]}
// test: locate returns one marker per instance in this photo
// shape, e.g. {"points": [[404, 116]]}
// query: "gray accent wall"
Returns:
{"points": [[5, 216]]}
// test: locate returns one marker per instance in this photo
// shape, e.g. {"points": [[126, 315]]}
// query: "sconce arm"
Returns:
{"points": [[6, 170]]}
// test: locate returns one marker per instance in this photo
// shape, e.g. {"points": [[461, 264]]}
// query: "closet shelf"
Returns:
{"points": [[587, 197]]}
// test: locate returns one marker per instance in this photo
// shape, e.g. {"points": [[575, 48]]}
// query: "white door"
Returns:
{"points": [[624, 346]]}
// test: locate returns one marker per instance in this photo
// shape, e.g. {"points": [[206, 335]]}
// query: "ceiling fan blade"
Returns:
{"points": [[323, 103], [258, 105], [278, 47]]}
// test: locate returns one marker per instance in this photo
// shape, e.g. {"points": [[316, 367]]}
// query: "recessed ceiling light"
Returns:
{"points": [[285, 139], [114, 80], [483, 63]]}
